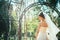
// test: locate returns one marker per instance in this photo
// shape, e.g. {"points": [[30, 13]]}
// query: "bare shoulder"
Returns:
{"points": [[44, 24]]}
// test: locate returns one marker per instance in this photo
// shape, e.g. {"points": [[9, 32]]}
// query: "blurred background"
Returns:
{"points": [[19, 18]]}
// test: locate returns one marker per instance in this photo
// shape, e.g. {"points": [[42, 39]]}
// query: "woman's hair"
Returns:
{"points": [[42, 15]]}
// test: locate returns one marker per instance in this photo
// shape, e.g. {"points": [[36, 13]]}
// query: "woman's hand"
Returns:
{"points": [[37, 31]]}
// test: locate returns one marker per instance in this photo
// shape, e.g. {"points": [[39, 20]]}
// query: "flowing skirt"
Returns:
{"points": [[46, 35], [42, 36]]}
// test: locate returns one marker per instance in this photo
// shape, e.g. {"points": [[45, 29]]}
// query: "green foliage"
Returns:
{"points": [[58, 21], [13, 23], [32, 25]]}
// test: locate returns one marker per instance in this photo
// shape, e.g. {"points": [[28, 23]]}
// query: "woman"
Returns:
{"points": [[46, 30], [42, 27]]}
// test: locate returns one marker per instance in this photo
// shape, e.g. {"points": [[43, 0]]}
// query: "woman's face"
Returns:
{"points": [[40, 18]]}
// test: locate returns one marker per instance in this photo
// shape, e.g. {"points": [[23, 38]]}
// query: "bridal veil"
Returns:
{"points": [[52, 28]]}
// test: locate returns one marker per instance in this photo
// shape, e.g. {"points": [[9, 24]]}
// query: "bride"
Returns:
{"points": [[46, 30]]}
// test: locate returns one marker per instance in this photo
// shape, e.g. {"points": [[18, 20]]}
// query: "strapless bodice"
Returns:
{"points": [[43, 29]]}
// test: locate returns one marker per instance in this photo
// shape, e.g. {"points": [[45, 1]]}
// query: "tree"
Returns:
{"points": [[4, 18]]}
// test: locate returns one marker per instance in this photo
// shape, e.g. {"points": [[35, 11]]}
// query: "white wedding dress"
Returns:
{"points": [[51, 31], [42, 35]]}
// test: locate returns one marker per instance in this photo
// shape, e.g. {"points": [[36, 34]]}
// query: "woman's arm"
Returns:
{"points": [[37, 31]]}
